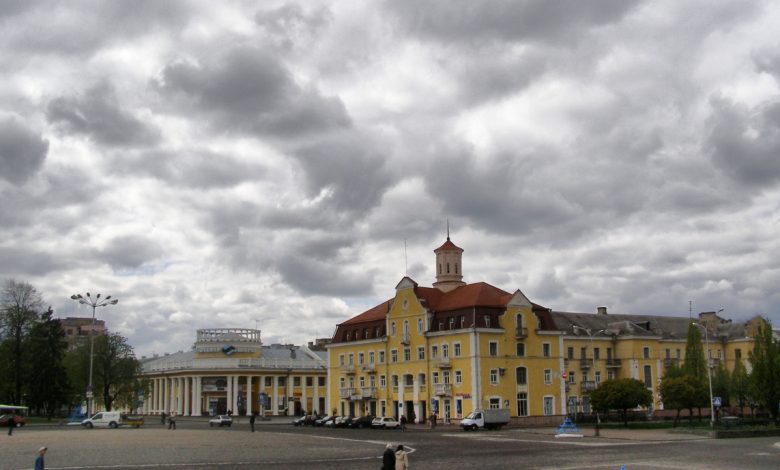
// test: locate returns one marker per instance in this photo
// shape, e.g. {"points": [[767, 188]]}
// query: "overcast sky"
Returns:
{"points": [[241, 163]]}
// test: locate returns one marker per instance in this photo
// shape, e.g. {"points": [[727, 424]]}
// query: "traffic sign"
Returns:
{"points": [[564, 375], [716, 401]]}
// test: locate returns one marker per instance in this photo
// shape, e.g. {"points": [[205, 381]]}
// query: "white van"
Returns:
{"points": [[110, 419]]}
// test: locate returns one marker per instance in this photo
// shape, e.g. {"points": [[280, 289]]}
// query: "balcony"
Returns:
{"points": [[614, 363], [346, 392], [444, 363], [348, 368], [369, 367], [586, 363], [405, 338], [587, 386], [521, 332], [368, 392], [442, 389]]}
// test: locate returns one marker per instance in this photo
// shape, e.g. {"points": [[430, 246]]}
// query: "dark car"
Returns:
{"points": [[18, 419], [361, 422]]}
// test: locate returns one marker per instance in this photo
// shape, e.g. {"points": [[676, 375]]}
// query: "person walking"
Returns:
{"points": [[39, 463], [252, 421], [172, 421], [388, 458], [401, 460], [403, 423]]}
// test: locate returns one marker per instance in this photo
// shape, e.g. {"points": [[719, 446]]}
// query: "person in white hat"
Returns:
{"points": [[39, 464]]}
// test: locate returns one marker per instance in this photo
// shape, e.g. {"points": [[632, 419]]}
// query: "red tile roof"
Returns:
{"points": [[448, 245], [372, 314]]}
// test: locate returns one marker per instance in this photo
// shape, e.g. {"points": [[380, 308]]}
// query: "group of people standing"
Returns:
{"points": [[395, 460]]}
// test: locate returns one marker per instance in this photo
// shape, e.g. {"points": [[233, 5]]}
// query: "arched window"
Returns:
{"points": [[519, 319], [448, 268], [392, 329], [456, 268], [521, 375]]}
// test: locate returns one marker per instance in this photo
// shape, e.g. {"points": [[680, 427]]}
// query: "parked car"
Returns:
{"points": [[344, 422], [330, 421], [221, 420], [18, 419], [361, 422], [385, 422], [322, 420]]}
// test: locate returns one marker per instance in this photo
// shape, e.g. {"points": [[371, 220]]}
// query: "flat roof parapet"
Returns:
{"points": [[221, 335]]}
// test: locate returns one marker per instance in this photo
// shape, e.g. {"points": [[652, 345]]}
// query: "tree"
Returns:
{"points": [[116, 370], [721, 385], [740, 386], [48, 380], [765, 359], [620, 394], [695, 364], [20, 305], [680, 392]]}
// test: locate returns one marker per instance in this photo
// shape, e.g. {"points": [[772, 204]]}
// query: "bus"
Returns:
{"points": [[11, 412]]}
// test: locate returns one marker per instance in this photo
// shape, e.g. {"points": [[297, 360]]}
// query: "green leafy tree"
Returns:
{"points": [[721, 385], [765, 359], [116, 370], [48, 379], [695, 364], [21, 303], [740, 386], [620, 394], [680, 392]]}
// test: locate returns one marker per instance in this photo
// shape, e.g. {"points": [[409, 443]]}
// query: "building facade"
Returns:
{"points": [[456, 347], [229, 369], [78, 329]]}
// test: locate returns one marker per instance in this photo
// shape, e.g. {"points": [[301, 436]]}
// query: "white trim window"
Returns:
{"points": [[549, 405], [421, 353], [382, 381], [493, 348], [456, 349], [393, 355], [547, 376], [458, 377], [494, 376]]}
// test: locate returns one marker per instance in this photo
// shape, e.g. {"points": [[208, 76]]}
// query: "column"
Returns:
{"points": [[249, 395], [275, 397], [157, 395], [290, 407], [198, 407], [261, 382], [166, 395], [315, 381], [306, 409], [235, 394], [187, 395], [229, 393]]}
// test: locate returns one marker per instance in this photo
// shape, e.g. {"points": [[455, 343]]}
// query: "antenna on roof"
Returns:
{"points": [[406, 262]]}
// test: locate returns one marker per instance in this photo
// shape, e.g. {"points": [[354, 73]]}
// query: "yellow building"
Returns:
{"points": [[456, 347], [230, 369]]}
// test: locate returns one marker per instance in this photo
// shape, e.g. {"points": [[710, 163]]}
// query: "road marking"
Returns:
{"points": [[499, 438]]}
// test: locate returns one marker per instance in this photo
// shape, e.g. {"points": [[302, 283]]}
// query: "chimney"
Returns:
{"points": [[601, 310]]}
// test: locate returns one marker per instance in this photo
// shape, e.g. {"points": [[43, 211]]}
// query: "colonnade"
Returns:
{"points": [[184, 395]]}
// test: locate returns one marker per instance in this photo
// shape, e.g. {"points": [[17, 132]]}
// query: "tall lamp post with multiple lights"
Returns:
{"points": [[709, 374], [94, 303], [591, 335]]}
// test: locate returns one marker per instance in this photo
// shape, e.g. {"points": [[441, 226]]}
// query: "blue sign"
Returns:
{"points": [[716, 402], [228, 350]]}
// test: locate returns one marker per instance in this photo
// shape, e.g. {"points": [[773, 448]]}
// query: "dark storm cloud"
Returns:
{"points": [[130, 252], [290, 24], [190, 168], [467, 21], [249, 91], [313, 277], [22, 151], [745, 143], [26, 261], [98, 115]]}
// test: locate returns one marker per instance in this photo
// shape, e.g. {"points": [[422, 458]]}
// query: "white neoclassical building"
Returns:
{"points": [[230, 369]]}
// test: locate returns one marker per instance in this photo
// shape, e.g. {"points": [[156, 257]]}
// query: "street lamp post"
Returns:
{"points": [[590, 336], [709, 374], [94, 303]]}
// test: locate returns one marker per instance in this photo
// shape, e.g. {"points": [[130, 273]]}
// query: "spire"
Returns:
{"points": [[448, 228]]}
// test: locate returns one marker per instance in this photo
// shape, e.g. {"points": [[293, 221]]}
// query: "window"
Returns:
{"points": [[342, 382], [351, 382], [719, 354], [435, 377], [519, 320], [392, 329], [570, 353], [394, 355], [341, 360], [522, 404], [678, 353], [361, 358], [648, 377], [372, 380], [280, 381], [520, 349], [548, 406], [407, 354], [463, 321], [351, 359], [421, 353], [546, 350], [596, 353], [445, 351], [394, 380], [584, 352], [321, 381], [458, 377], [494, 376], [406, 328], [371, 357], [446, 376], [452, 323], [456, 349], [547, 376], [382, 381], [269, 382], [738, 354], [610, 375], [362, 381], [381, 357], [434, 351], [668, 353], [493, 348], [598, 377], [646, 352], [571, 377], [487, 321], [521, 376], [296, 381], [419, 325], [495, 403]]}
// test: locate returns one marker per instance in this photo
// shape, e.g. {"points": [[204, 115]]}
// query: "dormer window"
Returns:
{"points": [[487, 321]]}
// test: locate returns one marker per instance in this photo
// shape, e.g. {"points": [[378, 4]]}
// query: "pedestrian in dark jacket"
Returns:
{"points": [[403, 423], [388, 458], [39, 463], [252, 421]]}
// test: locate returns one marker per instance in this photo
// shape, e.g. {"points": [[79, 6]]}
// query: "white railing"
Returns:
{"points": [[219, 363]]}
